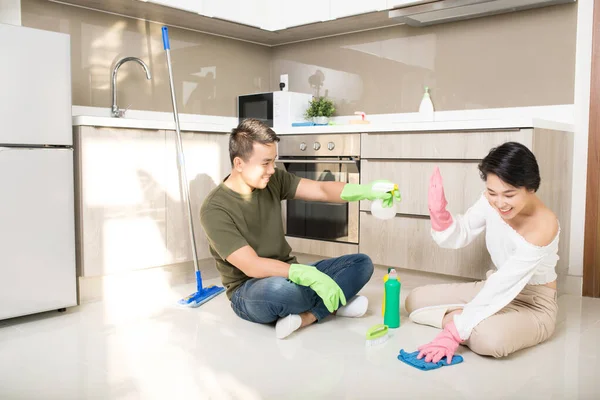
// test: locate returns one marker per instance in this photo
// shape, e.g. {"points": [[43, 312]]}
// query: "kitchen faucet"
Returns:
{"points": [[115, 110]]}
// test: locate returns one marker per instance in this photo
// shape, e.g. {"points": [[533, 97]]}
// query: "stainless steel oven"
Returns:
{"points": [[322, 158]]}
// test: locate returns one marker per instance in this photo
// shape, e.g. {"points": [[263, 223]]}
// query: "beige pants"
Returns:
{"points": [[526, 321]]}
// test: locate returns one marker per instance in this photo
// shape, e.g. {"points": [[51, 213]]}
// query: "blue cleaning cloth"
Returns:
{"points": [[411, 359], [303, 123]]}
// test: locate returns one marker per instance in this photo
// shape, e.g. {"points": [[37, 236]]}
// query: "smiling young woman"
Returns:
{"points": [[516, 306]]}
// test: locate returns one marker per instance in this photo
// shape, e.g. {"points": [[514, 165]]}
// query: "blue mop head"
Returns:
{"points": [[412, 360], [202, 295], [198, 298]]}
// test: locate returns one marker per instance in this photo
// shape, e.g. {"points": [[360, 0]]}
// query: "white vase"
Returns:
{"points": [[321, 120]]}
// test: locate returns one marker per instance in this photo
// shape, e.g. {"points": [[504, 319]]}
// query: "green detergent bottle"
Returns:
{"points": [[391, 317]]}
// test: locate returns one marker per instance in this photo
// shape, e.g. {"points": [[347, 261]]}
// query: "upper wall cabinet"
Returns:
{"points": [[186, 5], [271, 15], [346, 8], [247, 12], [296, 13], [277, 22], [405, 3]]}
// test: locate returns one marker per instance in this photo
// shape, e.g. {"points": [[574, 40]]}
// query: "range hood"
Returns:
{"points": [[428, 12]]}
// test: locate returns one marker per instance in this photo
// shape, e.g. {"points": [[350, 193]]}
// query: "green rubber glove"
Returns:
{"points": [[380, 189], [394, 197], [322, 284]]}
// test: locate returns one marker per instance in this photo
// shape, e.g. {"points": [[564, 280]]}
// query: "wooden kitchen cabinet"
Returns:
{"points": [[408, 159], [120, 209], [207, 164], [129, 211], [438, 145], [405, 242], [462, 183]]}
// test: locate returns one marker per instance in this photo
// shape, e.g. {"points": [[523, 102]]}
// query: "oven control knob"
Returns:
{"points": [[330, 146], [316, 145], [302, 146]]}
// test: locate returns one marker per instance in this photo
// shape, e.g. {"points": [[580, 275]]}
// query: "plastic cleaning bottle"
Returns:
{"points": [[381, 212], [391, 317], [426, 107], [377, 208]]}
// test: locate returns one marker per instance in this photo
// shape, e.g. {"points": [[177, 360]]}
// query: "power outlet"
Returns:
{"points": [[283, 79]]}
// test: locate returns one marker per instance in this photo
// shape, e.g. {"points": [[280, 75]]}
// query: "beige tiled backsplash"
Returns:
{"points": [[510, 60]]}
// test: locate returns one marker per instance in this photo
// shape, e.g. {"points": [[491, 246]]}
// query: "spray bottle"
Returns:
{"points": [[377, 208], [391, 316]]}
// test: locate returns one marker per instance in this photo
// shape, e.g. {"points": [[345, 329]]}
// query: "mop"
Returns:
{"points": [[202, 295]]}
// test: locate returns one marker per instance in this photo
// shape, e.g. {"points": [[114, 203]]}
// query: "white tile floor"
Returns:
{"points": [[147, 348]]}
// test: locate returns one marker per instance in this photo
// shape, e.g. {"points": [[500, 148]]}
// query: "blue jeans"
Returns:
{"points": [[266, 300]]}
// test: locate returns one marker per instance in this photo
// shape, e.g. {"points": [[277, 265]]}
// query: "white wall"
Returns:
{"points": [[10, 12], [583, 68]]}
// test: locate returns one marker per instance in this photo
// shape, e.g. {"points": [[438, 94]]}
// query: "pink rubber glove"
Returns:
{"points": [[444, 344], [440, 217]]}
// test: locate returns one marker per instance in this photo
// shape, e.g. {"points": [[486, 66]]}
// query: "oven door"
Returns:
{"points": [[259, 106], [335, 222]]}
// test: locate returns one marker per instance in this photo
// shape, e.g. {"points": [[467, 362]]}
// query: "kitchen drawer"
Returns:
{"points": [[438, 145], [406, 242], [462, 184]]}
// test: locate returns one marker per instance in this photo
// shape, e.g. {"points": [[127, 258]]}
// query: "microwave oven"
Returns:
{"points": [[277, 109]]}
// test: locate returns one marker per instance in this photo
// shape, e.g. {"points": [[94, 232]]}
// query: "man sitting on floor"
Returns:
{"points": [[243, 223]]}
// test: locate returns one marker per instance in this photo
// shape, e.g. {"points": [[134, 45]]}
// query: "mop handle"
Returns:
{"points": [[183, 182]]}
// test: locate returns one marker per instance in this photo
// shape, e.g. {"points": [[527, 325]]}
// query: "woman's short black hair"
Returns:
{"points": [[514, 163]]}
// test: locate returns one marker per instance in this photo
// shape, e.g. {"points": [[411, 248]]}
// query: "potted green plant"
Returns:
{"points": [[320, 110]]}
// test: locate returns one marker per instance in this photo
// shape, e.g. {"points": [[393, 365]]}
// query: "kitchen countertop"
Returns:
{"points": [[136, 119], [133, 123], [513, 123], [545, 117]]}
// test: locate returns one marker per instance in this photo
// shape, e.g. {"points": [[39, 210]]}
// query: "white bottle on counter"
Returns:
{"points": [[426, 107]]}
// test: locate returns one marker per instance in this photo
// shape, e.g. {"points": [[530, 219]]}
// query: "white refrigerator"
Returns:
{"points": [[37, 227]]}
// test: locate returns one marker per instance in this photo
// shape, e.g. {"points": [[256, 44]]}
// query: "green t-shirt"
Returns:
{"points": [[232, 221]]}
